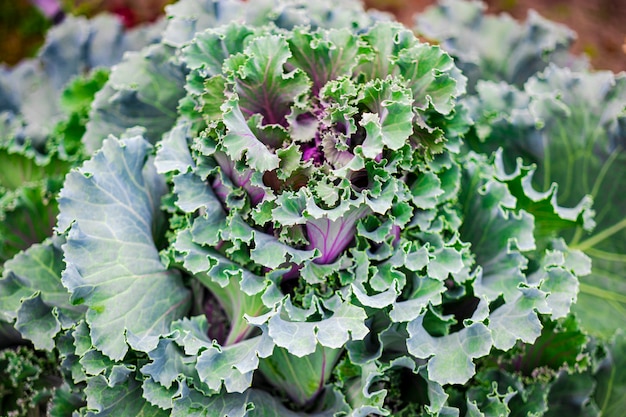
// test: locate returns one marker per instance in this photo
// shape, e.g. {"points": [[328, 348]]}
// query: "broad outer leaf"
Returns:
{"points": [[26, 214], [31, 292], [234, 364], [111, 209], [572, 395], [72, 48], [424, 291], [36, 270], [168, 363], [121, 399], [557, 276], [518, 319], [300, 338], [38, 322], [584, 118], [188, 17], [143, 90], [498, 234], [449, 357], [159, 396], [64, 402], [79, 44], [252, 403], [27, 91], [561, 346], [173, 151], [611, 391]]}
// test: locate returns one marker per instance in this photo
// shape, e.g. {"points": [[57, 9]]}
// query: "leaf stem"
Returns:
{"points": [[606, 256], [599, 292], [609, 391], [605, 234], [604, 171]]}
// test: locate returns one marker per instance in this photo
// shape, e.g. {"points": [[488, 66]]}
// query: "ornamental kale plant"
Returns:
{"points": [[289, 210], [539, 104], [323, 216]]}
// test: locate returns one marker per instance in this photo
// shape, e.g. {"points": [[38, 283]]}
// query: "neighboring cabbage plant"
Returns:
{"points": [[533, 102], [497, 48], [308, 233], [573, 126]]}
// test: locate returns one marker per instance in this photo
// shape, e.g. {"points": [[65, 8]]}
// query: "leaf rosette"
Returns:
{"points": [[317, 189], [306, 225]]}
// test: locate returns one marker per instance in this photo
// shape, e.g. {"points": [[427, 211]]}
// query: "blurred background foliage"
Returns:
{"points": [[599, 23], [21, 29], [132, 12], [23, 26]]}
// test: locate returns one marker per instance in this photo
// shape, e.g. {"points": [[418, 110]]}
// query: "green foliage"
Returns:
{"points": [[25, 26], [28, 381], [302, 210]]}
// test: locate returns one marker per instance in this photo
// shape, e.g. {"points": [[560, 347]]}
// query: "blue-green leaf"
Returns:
{"points": [[449, 357], [110, 208]]}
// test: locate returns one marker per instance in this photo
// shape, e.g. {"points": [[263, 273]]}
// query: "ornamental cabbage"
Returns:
{"points": [[321, 218], [289, 210]]}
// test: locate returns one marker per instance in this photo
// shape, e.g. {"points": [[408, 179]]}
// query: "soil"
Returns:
{"points": [[600, 24]]}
